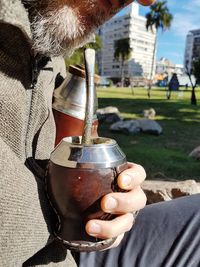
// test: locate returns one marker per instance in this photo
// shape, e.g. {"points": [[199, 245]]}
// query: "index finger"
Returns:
{"points": [[131, 177]]}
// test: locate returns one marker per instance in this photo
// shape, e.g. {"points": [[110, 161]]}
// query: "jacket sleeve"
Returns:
{"points": [[25, 123], [23, 228], [24, 233], [26, 217]]}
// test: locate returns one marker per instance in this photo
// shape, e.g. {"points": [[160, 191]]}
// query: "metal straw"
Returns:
{"points": [[89, 55]]}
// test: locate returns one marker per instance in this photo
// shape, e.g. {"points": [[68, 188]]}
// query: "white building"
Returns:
{"points": [[192, 48], [133, 26], [166, 67]]}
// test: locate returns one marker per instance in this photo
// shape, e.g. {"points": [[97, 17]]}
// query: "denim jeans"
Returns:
{"points": [[165, 234]]}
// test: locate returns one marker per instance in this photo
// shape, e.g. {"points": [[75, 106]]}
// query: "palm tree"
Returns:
{"points": [[122, 52], [159, 17]]}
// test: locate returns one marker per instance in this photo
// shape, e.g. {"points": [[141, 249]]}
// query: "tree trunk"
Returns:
{"points": [[152, 65], [168, 94], [122, 73], [193, 96]]}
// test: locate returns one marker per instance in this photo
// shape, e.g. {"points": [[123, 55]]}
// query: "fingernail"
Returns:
{"points": [[110, 203], [126, 180], [94, 228]]}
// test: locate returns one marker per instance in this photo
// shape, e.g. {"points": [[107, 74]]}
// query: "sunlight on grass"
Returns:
{"points": [[187, 110], [167, 153], [141, 93]]}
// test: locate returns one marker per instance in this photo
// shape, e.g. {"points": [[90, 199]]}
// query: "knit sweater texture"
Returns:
{"points": [[27, 135]]}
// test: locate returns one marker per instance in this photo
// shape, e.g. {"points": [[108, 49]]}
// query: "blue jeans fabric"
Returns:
{"points": [[165, 234]]}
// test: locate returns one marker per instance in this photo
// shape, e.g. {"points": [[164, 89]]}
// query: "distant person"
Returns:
{"points": [[173, 85]]}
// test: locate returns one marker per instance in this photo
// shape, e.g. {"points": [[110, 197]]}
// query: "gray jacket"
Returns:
{"points": [[27, 134]]}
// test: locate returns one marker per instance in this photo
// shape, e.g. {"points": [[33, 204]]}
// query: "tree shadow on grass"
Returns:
{"points": [[168, 153], [168, 110]]}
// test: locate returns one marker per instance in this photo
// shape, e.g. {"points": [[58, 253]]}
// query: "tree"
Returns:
{"points": [[77, 57], [122, 51], [159, 17], [195, 70]]}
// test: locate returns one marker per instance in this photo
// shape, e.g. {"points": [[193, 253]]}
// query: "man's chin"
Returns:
{"points": [[60, 32], [65, 48]]}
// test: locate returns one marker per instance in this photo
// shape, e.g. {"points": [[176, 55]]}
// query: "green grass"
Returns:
{"points": [[164, 156]]}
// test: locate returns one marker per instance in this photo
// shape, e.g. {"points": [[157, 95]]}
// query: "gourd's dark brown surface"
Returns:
{"points": [[76, 195]]}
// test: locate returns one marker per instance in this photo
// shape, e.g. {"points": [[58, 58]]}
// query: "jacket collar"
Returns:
{"points": [[14, 12]]}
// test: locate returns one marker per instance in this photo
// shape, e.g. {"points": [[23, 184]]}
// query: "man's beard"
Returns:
{"points": [[60, 31]]}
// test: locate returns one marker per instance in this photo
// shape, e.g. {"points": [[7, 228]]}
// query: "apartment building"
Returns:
{"points": [[192, 48], [133, 26], [165, 66]]}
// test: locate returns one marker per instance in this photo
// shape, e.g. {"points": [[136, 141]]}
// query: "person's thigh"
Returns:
{"points": [[165, 234]]}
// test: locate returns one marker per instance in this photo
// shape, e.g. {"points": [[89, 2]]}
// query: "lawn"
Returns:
{"points": [[164, 156]]}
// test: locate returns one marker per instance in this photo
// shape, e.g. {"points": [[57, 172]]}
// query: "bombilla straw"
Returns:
{"points": [[89, 55]]}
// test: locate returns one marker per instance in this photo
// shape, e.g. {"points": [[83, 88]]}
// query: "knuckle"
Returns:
{"points": [[142, 171], [127, 204], [129, 227], [144, 199], [130, 221], [136, 202]]}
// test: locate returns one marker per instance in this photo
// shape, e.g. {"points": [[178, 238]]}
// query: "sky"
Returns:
{"points": [[186, 17]]}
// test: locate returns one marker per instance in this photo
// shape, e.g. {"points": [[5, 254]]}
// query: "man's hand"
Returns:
{"points": [[122, 204]]}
